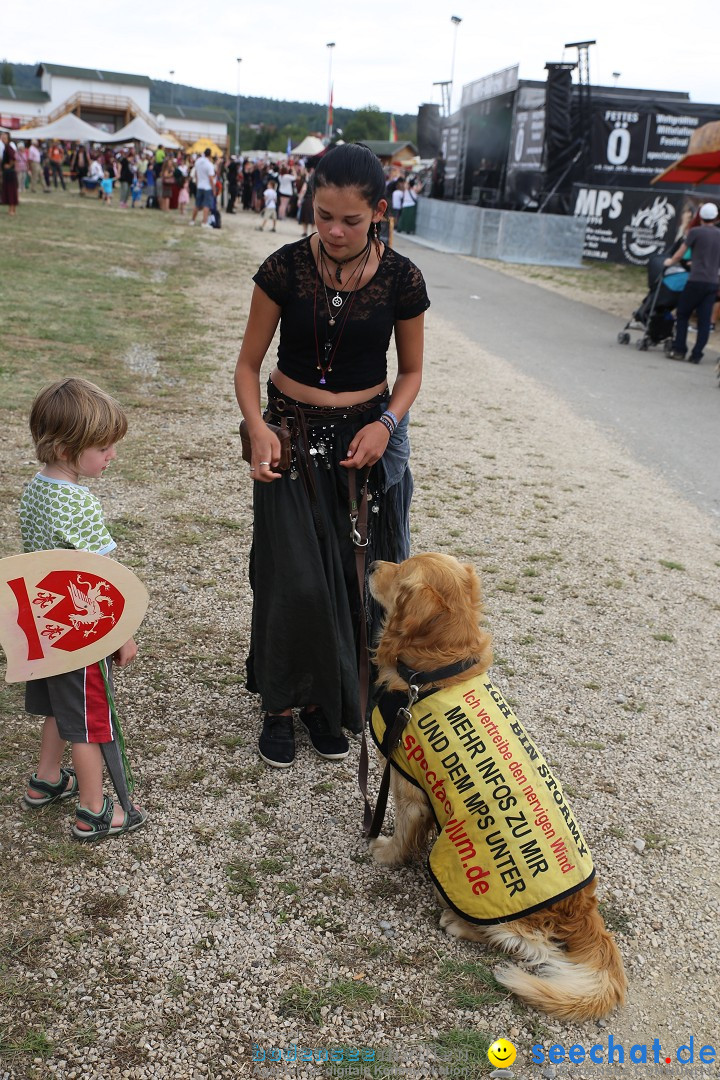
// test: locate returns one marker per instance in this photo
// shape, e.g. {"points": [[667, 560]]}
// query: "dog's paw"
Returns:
{"points": [[456, 927], [383, 851], [446, 916]]}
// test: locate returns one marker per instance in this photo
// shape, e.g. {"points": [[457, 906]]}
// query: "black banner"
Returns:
{"points": [[528, 130], [524, 177], [629, 146], [451, 153], [630, 226]]}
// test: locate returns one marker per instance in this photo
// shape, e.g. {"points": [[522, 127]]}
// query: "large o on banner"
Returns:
{"points": [[64, 609]]}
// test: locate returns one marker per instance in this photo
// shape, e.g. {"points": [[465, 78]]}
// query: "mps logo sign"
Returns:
{"points": [[625, 225]]}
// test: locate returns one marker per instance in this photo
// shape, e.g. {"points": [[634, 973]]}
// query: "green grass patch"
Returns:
{"points": [[271, 866], [308, 1003], [473, 984], [463, 1052], [241, 881], [615, 920]]}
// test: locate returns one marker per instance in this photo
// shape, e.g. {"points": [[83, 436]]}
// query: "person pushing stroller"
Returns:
{"points": [[701, 291]]}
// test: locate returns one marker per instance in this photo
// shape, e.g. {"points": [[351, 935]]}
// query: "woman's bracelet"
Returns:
{"points": [[387, 422]]}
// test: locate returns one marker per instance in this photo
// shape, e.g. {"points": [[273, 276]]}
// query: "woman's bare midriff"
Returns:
{"points": [[315, 395]]}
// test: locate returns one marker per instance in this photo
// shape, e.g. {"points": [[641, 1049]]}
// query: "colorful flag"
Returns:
{"points": [[393, 129], [288, 148]]}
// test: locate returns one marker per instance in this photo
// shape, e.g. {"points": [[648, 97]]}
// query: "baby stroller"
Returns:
{"points": [[655, 314]]}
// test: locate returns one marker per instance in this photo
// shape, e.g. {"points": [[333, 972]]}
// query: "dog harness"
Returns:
{"points": [[508, 843]]}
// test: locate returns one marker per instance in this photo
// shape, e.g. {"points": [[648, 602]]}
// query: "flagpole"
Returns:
{"points": [[329, 125]]}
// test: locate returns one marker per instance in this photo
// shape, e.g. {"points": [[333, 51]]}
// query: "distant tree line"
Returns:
{"points": [[265, 123]]}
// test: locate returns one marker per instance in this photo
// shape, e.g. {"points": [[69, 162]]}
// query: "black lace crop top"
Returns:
{"points": [[359, 345]]}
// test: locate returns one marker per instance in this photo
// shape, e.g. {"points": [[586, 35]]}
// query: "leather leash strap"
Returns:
{"points": [[417, 681], [358, 523]]}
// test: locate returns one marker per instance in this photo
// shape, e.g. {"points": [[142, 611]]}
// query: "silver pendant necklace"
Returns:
{"points": [[324, 366], [337, 300]]}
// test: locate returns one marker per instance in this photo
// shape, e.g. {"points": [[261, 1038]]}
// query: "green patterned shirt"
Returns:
{"points": [[59, 514]]}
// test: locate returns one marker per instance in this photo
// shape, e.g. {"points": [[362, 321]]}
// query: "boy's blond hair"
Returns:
{"points": [[72, 415]]}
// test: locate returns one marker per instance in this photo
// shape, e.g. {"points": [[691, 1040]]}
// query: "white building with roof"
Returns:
{"points": [[19, 106], [107, 99]]}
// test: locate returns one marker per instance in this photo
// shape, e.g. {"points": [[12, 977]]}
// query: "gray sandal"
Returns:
{"points": [[66, 787], [101, 824]]}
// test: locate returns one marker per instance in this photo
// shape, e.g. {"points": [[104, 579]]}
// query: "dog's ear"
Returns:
{"points": [[418, 606], [475, 589]]}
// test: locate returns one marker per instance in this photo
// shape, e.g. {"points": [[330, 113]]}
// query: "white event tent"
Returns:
{"points": [[69, 127], [309, 147], [138, 130]]}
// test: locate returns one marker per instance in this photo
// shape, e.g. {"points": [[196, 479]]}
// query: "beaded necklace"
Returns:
{"points": [[340, 263], [324, 366]]}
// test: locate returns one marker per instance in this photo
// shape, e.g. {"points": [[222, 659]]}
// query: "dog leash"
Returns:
{"points": [[417, 682], [358, 533]]}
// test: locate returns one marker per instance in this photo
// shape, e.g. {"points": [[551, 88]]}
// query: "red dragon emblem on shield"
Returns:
{"points": [[68, 608], [63, 609]]}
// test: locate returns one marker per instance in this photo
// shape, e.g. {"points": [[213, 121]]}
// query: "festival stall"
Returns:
{"points": [[68, 128], [138, 130]]}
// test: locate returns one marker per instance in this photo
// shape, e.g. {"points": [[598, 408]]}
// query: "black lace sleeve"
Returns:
{"points": [[273, 276], [412, 298]]}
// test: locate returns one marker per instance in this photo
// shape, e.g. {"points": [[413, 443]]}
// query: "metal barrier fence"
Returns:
{"points": [[507, 235]]}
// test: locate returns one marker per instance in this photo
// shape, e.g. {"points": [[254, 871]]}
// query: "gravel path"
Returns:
{"points": [[249, 913]]}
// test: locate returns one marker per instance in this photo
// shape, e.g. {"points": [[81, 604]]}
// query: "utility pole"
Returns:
{"points": [[237, 110]]}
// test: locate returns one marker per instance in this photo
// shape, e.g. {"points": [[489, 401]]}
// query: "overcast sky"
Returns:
{"points": [[386, 53]]}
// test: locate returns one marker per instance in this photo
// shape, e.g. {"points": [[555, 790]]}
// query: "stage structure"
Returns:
{"points": [[564, 146]]}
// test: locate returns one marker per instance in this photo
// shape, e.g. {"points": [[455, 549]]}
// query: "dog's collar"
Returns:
{"points": [[424, 678]]}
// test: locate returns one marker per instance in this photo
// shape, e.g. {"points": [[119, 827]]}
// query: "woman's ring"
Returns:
{"points": [[264, 463]]}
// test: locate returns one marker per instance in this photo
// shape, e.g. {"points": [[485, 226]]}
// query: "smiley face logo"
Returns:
{"points": [[502, 1054]]}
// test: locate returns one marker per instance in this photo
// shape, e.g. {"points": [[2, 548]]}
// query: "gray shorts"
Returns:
{"points": [[78, 702]]}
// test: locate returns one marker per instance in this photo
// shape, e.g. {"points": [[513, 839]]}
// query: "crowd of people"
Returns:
{"points": [[163, 178], [169, 179]]}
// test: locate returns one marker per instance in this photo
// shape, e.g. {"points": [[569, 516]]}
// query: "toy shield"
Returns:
{"points": [[65, 609]]}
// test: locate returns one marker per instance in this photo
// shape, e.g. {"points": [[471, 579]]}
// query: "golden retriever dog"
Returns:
{"points": [[571, 966]]}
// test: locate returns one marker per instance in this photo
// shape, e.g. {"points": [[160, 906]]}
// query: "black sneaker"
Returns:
{"points": [[328, 746], [276, 745]]}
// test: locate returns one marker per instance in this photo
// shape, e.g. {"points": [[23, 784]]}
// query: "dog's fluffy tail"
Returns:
{"points": [[581, 974]]}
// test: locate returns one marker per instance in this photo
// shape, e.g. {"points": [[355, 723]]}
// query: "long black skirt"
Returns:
{"points": [[306, 602]]}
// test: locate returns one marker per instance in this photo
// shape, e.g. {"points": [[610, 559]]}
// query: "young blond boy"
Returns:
{"points": [[75, 427]]}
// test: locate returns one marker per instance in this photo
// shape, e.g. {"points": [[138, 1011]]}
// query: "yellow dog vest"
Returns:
{"points": [[508, 841]]}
